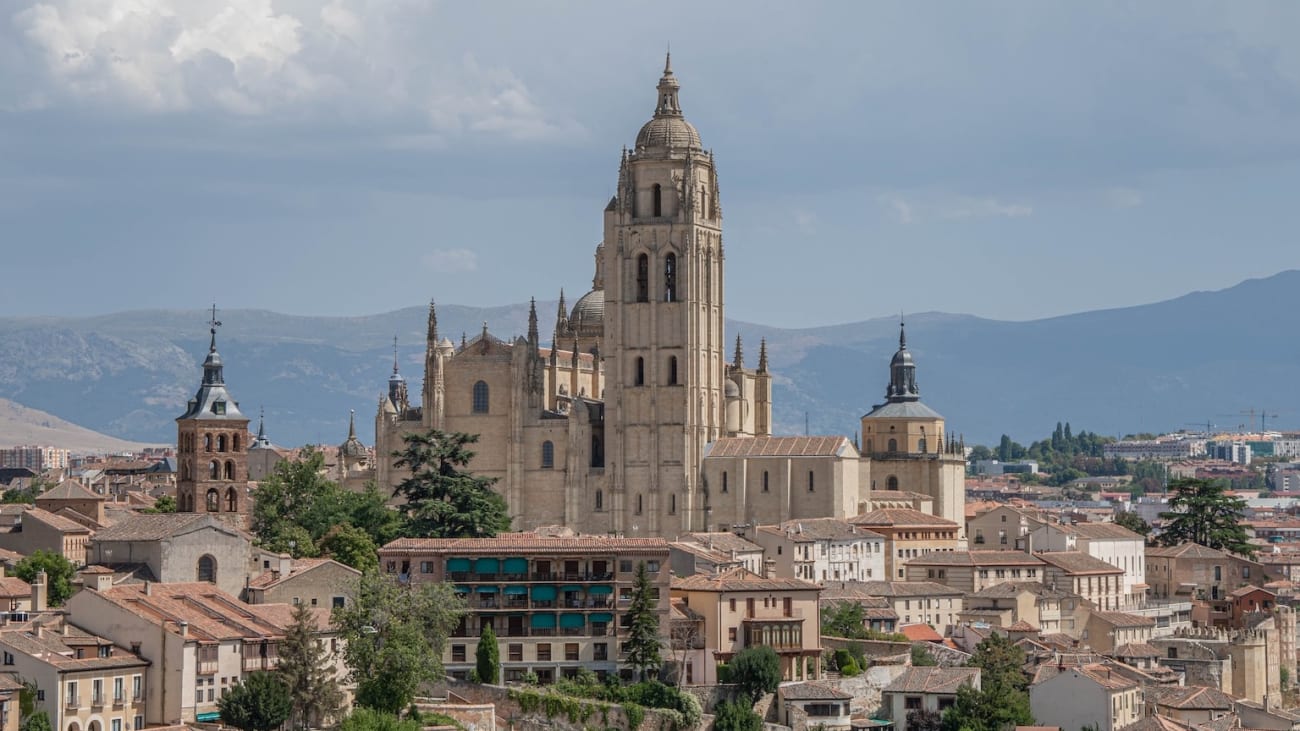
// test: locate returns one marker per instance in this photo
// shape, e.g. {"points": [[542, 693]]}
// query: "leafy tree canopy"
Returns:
{"points": [[736, 716], [58, 574], [1133, 522], [368, 719], [351, 546], [443, 499], [260, 702], [1202, 513], [757, 671], [164, 504]]}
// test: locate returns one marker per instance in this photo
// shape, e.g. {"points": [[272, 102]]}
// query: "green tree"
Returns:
{"points": [[305, 670], [844, 619], [58, 574], [981, 453], [1001, 701], [487, 657], [1202, 513], [368, 719], [643, 642], [352, 546], [38, 721], [756, 671], [443, 499], [394, 638], [1134, 522], [736, 716], [260, 702], [286, 505], [164, 504], [922, 657], [1000, 662], [26, 495], [923, 720]]}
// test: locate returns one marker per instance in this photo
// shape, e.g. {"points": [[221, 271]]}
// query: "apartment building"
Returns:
{"points": [[1046, 609], [557, 604], [1003, 527], [1193, 571], [742, 609], [823, 549], [82, 681], [1098, 582], [1087, 696], [913, 602], [972, 571], [35, 458], [909, 533], [1114, 544]]}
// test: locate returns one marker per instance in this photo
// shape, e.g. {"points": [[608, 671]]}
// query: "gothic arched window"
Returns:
{"points": [[670, 278], [548, 454], [214, 470], [639, 378], [672, 370], [657, 200], [232, 500], [643, 278], [207, 570], [234, 443], [207, 442], [891, 483], [221, 442], [213, 500], [480, 405], [230, 470]]}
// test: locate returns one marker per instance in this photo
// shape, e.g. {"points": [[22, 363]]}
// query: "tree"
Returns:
{"points": [[394, 638], [923, 720], [305, 670], [444, 500], [487, 657], [922, 657], [1001, 701], [368, 719], [1200, 512], [1000, 662], [260, 702], [756, 671], [1134, 522], [58, 574], [38, 721], [844, 619], [164, 504], [352, 546], [736, 716], [643, 642]]}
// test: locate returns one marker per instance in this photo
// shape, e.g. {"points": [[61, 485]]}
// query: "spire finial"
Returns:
{"points": [[261, 423], [213, 324], [762, 355], [902, 333], [738, 359], [394, 355], [352, 423], [668, 60], [433, 323]]}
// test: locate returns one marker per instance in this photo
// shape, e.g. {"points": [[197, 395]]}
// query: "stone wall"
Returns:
{"points": [[473, 716], [871, 649], [603, 715]]}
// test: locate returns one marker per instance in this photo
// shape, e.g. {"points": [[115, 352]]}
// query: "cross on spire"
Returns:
{"points": [[213, 324]]}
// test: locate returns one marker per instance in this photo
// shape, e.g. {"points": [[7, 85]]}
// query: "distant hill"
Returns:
{"points": [[20, 425], [1203, 356]]}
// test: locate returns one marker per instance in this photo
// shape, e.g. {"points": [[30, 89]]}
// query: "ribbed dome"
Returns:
{"points": [[730, 390], [352, 448], [902, 357], [669, 132], [590, 310]]}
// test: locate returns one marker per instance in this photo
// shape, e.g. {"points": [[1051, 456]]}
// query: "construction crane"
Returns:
{"points": [[1209, 426], [1263, 415]]}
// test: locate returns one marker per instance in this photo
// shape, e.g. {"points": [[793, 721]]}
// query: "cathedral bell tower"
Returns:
{"points": [[663, 319]]}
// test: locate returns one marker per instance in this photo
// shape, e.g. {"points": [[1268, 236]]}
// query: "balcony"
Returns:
{"points": [[207, 667], [119, 701], [97, 701]]}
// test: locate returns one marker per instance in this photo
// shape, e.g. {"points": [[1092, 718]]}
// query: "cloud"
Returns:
{"points": [[946, 206], [351, 59], [805, 220], [1124, 197], [901, 208], [985, 208], [451, 261]]}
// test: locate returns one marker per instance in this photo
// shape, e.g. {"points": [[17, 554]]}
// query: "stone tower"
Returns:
{"points": [[663, 319], [212, 444]]}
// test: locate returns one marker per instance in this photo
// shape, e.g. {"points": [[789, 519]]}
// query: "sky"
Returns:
{"points": [[1013, 160]]}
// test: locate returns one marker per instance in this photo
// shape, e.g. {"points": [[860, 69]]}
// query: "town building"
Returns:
{"points": [[749, 554], [1114, 544], [823, 549], [176, 548], [1045, 608], [742, 609], [1193, 571], [814, 705], [1087, 696], [1106, 631], [557, 604], [28, 529], [930, 689], [37, 458], [315, 582], [972, 571], [909, 533], [1003, 528], [1098, 582]]}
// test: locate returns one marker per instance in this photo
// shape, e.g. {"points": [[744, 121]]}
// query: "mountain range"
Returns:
{"points": [[1203, 357]]}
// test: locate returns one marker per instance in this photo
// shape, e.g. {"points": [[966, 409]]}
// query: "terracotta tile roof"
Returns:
{"points": [[695, 549], [1157, 723], [820, 529], [1077, 562], [723, 541], [1021, 626], [68, 490], [528, 542], [1102, 531], [889, 589], [14, 587], [47, 645], [932, 680], [781, 447], [57, 522], [211, 613], [1123, 619], [157, 527], [1136, 649], [1189, 697], [976, 558], [740, 579], [1244, 590], [1011, 589], [812, 692], [300, 566], [1185, 550], [920, 633], [1103, 676], [901, 517]]}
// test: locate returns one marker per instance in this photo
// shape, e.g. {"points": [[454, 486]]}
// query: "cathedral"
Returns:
{"points": [[634, 421]]}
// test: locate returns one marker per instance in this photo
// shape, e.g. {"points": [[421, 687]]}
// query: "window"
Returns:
{"points": [[221, 441], [229, 471], [213, 498], [912, 702], [137, 690], [724, 481], [73, 700], [234, 443], [207, 570], [232, 500], [600, 500], [138, 723], [515, 652], [571, 651], [892, 482], [219, 408], [764, 480], [657, 200], [893, 445], [458, 653], [812, 482], [480, 397], [920, 445], [672, 504], [731, 634], [625, 566], [9, 658], [214, 470], [337, 602], [638, 378], [731, 603], [548, 455], [638, 504], [600, 651], [119, 690], [670, 278], [672, 370], [643, 278], [653, 568], [207, 442]]}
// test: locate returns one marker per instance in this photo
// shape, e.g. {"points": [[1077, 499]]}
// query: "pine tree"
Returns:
{"points": [[487, 657], [444, 500], [1200, 512], [643, 642], [305, 670]]}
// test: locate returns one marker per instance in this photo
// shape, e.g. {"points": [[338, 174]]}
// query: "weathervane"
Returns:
{"points": [[213, 324]]}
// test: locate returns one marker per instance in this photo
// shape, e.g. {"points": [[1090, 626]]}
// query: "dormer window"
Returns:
{"points": [[219, 408]]}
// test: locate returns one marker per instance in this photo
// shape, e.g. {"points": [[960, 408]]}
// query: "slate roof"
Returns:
{"points": [[740, 579], [901, 517], [903, 410], [520, 542], [932, 680], [833, 446]]}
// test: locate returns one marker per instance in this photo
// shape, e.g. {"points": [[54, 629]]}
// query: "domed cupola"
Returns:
{"points": [[668, 128], [902, 373], [352, 447]]}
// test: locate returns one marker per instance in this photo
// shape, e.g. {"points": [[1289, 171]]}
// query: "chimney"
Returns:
{"points": [[286, 565], [769, 568], [148, 588], [39, 592], [185, 628]]}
